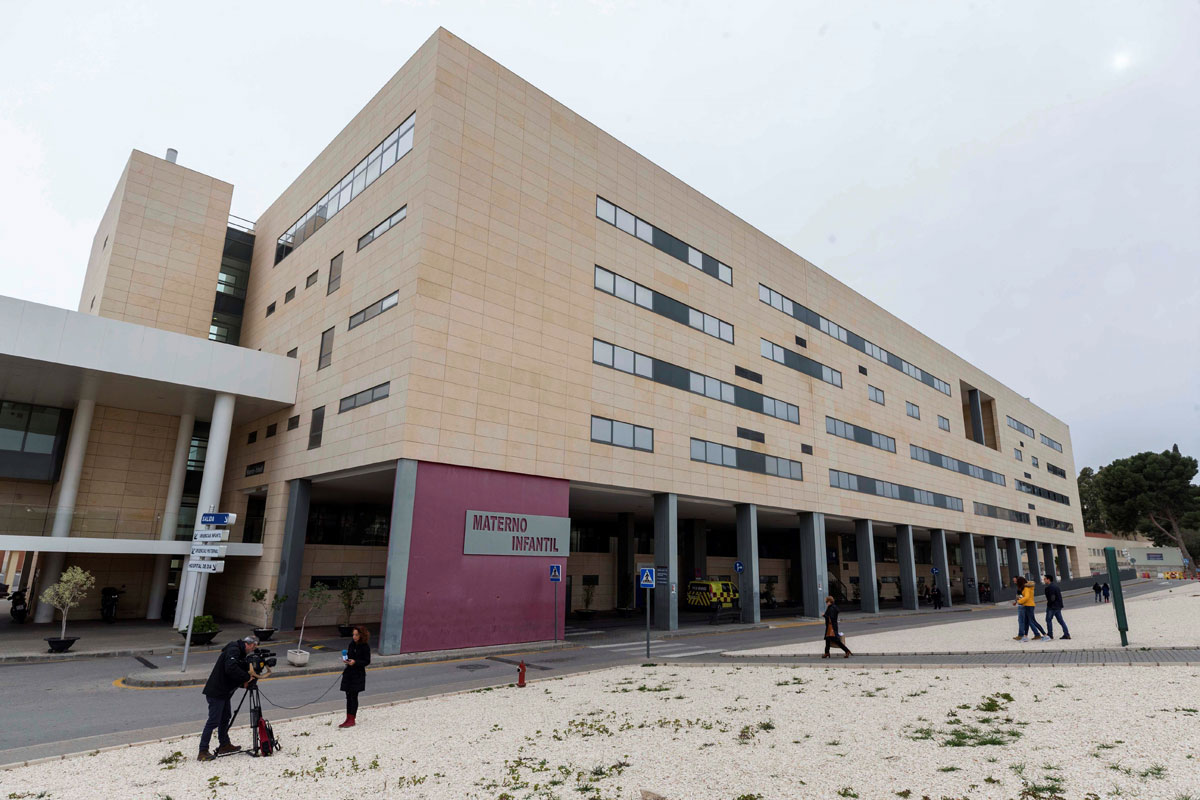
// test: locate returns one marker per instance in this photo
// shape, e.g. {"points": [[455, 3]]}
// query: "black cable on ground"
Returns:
{"points": [[302, 705]]}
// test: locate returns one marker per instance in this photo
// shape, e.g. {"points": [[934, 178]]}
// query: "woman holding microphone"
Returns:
{"points": [[354, 677]]}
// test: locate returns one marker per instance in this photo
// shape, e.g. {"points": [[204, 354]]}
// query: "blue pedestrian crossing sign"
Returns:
{"points": [[555, 573], [739, 567], [647, 581]]}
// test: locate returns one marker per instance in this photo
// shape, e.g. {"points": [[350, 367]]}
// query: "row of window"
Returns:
{"points": [[636, 226], [1053, 470], [860, 483], [1029, 488], [669, 374], [618, 286], [800, 363], [747, 460], [335, 280], [815, 320], [985, 510], [1053, 445], [394, 147], [1058, 525], [954, 465], [861, 435], [26, 428], [876, 395], [382, 228], [374, 310], [365, 397], [622, 434], [1020, 426]]}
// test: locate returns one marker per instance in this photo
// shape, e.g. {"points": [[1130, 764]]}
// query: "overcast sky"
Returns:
{"points": [[1018, 180]]}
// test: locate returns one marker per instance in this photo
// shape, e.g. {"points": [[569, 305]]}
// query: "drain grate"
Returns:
{"points": [[472, 666]]}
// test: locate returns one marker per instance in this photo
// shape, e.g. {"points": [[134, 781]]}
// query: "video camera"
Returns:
{"points": [[260, 660]]}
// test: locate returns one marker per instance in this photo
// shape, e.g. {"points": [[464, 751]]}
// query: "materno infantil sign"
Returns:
{"points": [[494, 533]]}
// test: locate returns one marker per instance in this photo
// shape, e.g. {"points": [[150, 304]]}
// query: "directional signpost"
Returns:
{"points": [[739, 567], [556, 577], [646, 581], [203, 548]]}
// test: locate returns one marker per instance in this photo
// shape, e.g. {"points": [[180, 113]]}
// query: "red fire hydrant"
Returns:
{"points": [[521, 675]]}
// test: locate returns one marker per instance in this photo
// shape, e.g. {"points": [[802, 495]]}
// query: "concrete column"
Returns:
{"points": [[1035, 567], [666, 562], [191, 596], [966, 549], [908, 567], [14, 562], [976, 415], [864, 533], [68, 490], [395, 587], [747, 548], [1013, 546], [1064, 563], [937, 544], [170, 518], [699, 555], [813, 568], [291, 560], [991, 552], [626, 561], [1048, 561]]}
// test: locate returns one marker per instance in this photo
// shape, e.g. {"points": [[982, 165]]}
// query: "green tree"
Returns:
{"points": [[1089, 502], [72, 587], [1152, 493]]}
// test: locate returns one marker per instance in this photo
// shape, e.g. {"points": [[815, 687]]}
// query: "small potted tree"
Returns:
{"points": [[587, 612], [315, 597], [68, 592], [204, 630], [351, 595], [269, 608]]}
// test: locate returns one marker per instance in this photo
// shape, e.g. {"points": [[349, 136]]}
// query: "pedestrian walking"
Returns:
{"points": [[1026, 605], [1096, 588], [354, 677], [1054, 607], [1106, 591], [937, 597], [833, 634]]}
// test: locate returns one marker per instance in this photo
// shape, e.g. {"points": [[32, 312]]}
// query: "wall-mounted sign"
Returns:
{"points": [[495, 533]]}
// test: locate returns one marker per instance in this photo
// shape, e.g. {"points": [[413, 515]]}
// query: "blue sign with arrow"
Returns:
{"points": [[647, 578], [555, 573], [934, 570], [739, 567], [218, 518]]}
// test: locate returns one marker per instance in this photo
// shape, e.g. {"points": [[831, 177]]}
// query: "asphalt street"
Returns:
{"points": [[77, 706]]}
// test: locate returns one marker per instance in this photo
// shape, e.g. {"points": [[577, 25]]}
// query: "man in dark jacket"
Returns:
{"points": [[229, 674], [1054, 607]]}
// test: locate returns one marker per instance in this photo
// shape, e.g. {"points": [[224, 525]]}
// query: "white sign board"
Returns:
{"points": [[210, 536], [209, 550], [211, 567], [493, 533]]}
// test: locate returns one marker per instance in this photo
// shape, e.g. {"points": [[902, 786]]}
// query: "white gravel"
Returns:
{"points": [[1166, 618], [717, 733]]}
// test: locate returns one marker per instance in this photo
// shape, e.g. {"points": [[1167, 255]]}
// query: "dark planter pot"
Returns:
{"points": [[264, 634], [585, 614], [345, 630], [58, 645], [199, 638]]}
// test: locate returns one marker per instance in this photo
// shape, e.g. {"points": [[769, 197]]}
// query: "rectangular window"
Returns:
{"points": [[252, 437], [656, 237], [374, 310], [255, 469], [985, 510], [619, 286], [335, 274], [622, 434], [815, 320], [720, 455], [954, 465], [1017, 425], [913, 410], [272, 429], [394, 147], [1053, 470], [383, 227], [1017, 454], [1034, 461], [315, 427], [290, 296], [943, 423], [1045, 494], [854, 433], [749, 375], [365, 397], [293, 422], [270, 309], [311, 279], [752, 435], [893, 491], [876, 395], [326, 356], [793, 360], [1046, 440], [1046, 522], [293, 352]]}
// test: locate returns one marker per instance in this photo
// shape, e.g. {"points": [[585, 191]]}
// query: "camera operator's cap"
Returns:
{"points": [[251, 640]]}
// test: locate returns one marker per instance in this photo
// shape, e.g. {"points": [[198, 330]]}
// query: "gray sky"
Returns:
{"points": [[1018, 180]]}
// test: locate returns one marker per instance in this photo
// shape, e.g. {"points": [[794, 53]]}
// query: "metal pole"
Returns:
{"points": [[1118, 598], [187, 644], [555, 620], [647, 623]]}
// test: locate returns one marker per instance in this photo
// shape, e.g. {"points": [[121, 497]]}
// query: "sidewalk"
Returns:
{"points": [[1128, 656]]}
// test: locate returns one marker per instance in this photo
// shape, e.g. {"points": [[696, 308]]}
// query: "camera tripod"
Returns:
{"points": [[262, 739]]}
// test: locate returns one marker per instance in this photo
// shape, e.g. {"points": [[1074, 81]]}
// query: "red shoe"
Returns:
{"points": [[349, 723]]}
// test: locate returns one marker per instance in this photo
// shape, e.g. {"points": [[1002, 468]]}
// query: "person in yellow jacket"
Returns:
{"points": [[1026, 603]]}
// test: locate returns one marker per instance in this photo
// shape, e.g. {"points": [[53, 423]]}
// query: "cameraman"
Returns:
{"points": [[230, 673]]}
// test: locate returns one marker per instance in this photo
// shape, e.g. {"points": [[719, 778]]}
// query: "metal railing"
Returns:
{"points": [[241, 224]]}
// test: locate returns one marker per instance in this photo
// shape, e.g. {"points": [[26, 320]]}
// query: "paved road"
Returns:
{"points": [[74, 706]]}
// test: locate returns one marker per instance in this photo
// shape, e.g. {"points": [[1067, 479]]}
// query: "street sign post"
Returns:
{"points": [[556, 578], [218, 518], [1118, 597], [209, 567], [208, 550], [739, 567], [647, 582], [210, 536], [202, 550]]}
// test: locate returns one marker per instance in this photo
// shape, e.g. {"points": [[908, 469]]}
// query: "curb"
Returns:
{"points": [[839, 663]]}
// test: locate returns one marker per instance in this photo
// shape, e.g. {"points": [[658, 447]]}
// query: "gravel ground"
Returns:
{"points": [[1168, 618], [719, 733]]}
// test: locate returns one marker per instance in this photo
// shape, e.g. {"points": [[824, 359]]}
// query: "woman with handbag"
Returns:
{"points": [[832, 636], [354, 677]]}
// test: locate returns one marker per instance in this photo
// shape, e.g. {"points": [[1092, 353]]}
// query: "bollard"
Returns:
{"points": [[521, 675]]}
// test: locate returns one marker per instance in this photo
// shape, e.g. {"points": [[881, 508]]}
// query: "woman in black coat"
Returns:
{"points": [[354, 676], [832, 637]]}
